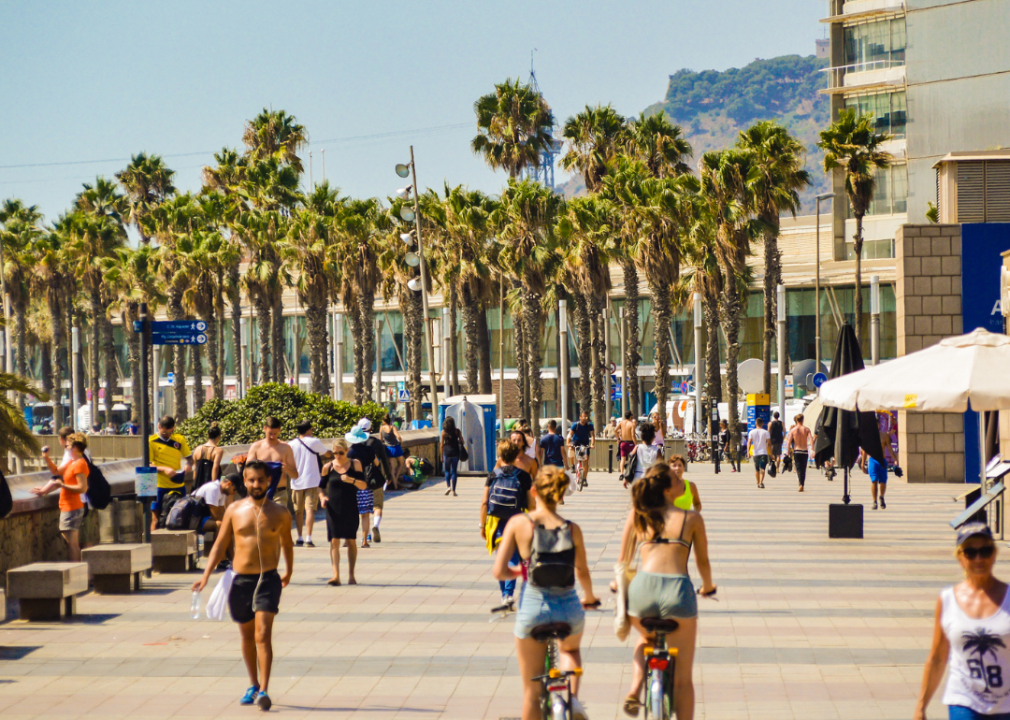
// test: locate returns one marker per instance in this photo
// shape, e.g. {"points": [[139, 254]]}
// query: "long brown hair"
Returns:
{"points": [[648, 500]]}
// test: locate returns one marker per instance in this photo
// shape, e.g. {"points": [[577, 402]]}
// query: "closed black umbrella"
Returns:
{"points": [[840, 433]]}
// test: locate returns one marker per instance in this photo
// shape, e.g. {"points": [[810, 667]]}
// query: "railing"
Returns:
{"points": [[836, 78]]}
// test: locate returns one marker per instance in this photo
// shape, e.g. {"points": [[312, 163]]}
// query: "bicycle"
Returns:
{"points": [[581, 466], [660, 663], [556, 687]]}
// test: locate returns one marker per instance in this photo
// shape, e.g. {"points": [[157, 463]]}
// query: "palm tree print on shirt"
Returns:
{"points": [[982, 643]]}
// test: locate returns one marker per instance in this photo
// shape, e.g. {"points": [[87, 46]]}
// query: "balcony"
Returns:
{"points": [[865, 76], [860, 9]]}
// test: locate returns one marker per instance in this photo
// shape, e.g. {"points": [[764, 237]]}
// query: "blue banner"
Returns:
{"points": [[982, 246]]}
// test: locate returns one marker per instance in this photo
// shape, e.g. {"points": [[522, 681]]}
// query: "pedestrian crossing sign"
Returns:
{"points": [[403, 396]]}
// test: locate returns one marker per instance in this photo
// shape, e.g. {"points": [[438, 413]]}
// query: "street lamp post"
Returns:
{"points": [[874, 319], [699, 368], [378, 361], [243, 368], [625, 397], [817, 286], [781, 291], [402, 171], [446, 362], [75, 375], [609, 402], [563, 362]]}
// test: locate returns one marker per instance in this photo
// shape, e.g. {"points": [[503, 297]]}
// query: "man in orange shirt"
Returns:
{"points": [[72, 488]]}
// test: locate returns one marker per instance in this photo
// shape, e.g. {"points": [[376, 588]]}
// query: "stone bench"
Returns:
{"points": [[39, 588], [173, 551], [208, 542], [112, 566]]}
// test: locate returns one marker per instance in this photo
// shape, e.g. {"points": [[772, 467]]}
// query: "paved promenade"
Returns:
{"points": [[805, 627]]}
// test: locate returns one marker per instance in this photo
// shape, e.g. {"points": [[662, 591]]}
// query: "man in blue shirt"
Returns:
{"points": [[581, 438], [552, 447]]}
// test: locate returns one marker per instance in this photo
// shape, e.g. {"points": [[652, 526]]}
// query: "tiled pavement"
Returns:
{"points": [[805, 627]]}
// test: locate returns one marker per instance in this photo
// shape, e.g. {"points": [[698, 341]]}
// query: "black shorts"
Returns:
{"points": [[244, 606]]}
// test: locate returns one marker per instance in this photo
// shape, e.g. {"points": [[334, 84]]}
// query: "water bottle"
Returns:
{"points": [[194, 608]]}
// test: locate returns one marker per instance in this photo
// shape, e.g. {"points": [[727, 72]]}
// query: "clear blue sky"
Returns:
{"points": [[103, 80]]}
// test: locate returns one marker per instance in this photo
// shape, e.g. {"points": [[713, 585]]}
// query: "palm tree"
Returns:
{"points": [[851, 144], [724, 186], [307, 249], [594, 137], [15, 435], [275, 133], [513, 127], [706, 279], [527, 240], [775, 181], [51, 280], [148, 183], [982, 643], [20, 229], [587, 228], [91, 240], [358, 254]]}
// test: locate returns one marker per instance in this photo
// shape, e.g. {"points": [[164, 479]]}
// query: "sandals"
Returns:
{"points": [[632, 706]]}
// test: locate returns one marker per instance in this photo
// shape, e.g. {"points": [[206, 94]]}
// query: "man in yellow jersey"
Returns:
{"points": [[169, 451]]}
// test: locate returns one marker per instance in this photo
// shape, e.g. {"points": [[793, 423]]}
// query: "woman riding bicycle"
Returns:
{"points": [[661, 588], [555, 553]]}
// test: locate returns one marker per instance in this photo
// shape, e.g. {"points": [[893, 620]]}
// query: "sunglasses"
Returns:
{"points": [[985, 552]]}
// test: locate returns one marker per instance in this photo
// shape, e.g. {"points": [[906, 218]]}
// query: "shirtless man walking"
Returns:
{"points": [[626, 436], [278, 458], [261, 531]]}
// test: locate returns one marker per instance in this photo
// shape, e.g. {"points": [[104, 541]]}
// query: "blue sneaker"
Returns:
{"points": [[264, 701], [250, 695]]}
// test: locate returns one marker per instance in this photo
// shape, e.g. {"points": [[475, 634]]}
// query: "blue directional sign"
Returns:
{"points": [[175, 332], [820, 379]]}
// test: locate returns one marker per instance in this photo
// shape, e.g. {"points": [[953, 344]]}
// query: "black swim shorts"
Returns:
{"points": [[244, 605]]}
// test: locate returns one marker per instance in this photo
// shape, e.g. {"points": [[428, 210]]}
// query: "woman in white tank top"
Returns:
{"points": [[971, 636]]}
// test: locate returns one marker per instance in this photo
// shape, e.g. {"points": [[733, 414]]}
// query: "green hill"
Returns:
{"points": [[712, 107]]}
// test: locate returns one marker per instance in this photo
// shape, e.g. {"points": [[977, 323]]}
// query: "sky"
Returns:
{"points": [[83, 86]]}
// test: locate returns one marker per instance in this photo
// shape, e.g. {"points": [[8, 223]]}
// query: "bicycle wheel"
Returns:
{"points": [[655, 705]]}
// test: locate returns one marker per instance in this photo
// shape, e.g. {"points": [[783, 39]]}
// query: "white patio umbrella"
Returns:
{"points": [[942, 378], [945, 377]]}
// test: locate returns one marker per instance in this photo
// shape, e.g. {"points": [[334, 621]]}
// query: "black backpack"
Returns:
{"points": [[185, 514], [505, 498], [167, 503], [6, 501], [552, 557], [375, 477], [99, 492]]}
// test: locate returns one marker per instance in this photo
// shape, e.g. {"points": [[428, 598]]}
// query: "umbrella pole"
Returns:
{"points": [[981, 450], [845, 488]]}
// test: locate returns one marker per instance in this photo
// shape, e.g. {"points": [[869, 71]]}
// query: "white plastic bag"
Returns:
{"points": [[622, 623], [218, 603], [572, 482]]}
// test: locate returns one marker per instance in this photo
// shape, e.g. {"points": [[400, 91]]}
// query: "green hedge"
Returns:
{"points": [[241, 421]]}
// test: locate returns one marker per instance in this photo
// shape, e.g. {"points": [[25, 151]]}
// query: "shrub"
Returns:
{"points": [[241, 421]]}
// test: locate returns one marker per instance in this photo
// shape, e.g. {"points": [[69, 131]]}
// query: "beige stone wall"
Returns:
{"points": [[928, 297], [35, 537]]}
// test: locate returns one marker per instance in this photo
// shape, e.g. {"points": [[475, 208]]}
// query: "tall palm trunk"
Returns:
{"points": [[277, 334], [111, 370], [212, 354], [262, 307], [471, 331], [772, 278], [47, 368], [235, 299], [21, 338], [534, 321], [522, 378], [175, 312], [857, 248], [412, 330], [661, 313], [56, 354], [358, 332], [632, 343], [483, 341], [598, 362], [453, 340], [713, 374], [732, 309], [585, 343], [315, 320], [199, 394], [366, 306], [131, 313]]}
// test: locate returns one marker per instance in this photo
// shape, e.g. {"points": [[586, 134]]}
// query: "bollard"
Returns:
{"points": [[610, 460]]}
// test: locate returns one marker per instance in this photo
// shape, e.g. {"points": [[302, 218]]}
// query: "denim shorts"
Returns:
{"points": [[539, 606], [959, 712]]}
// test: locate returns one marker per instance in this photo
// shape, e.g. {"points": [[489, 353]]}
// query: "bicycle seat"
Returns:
{"points": [[663, 625], [551, 631]]}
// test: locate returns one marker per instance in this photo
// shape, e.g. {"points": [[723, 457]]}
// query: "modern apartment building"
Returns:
{"points": [[936, 75]]}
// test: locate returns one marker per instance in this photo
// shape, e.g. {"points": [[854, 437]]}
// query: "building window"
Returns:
{"points": [[875, 45], [888, 110]]}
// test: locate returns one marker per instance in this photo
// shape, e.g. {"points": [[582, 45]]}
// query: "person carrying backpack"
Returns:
{"points": [[507, 492]]}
